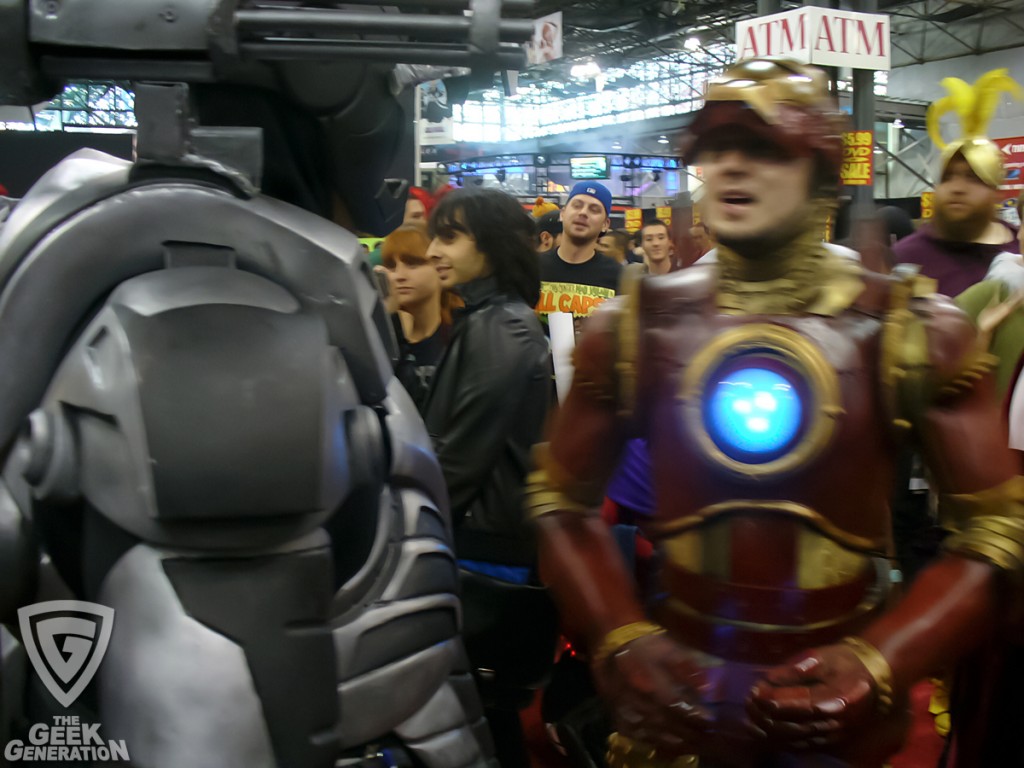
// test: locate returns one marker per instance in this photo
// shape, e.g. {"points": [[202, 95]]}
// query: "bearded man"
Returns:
{"points": [[957, 248]]}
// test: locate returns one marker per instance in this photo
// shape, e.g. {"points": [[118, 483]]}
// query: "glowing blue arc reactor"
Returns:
{"points": [[753, 413]]}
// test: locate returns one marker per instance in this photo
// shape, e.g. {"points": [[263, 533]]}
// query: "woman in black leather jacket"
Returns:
{"points": [[485, 410]]}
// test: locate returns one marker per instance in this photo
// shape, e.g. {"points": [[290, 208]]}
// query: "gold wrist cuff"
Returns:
{"points": [[619, 637], [541, 499], [997, 540], [550, 488], [878, 668], [1003, 500]]}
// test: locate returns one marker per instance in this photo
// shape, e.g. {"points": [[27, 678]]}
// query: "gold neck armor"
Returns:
{"points": [[800, 277]]}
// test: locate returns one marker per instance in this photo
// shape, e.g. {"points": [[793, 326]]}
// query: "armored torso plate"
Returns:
{"points": [[772, 456]]}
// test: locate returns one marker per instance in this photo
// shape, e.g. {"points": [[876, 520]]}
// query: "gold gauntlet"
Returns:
{"points": [[878, 668], [979, 366], [998, 540], [550, 488], [619, 637], [624, 752], [989, 525]]}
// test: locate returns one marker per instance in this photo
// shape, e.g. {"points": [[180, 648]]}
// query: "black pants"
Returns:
{"points": [[509, 740]]}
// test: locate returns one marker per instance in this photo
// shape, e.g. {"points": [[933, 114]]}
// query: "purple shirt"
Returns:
{"points": [[630, 486], [956, 266]]}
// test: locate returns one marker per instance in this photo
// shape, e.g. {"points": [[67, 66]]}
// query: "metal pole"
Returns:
{"points": [[864, 119], [417, 152]]}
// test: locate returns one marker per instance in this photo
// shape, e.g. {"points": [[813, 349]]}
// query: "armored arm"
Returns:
{"points": [[579, 558], [939, 383], [653, 685], [960, 600]]}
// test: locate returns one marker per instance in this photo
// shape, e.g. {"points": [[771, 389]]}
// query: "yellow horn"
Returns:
{"points": [[987, 90], [935, 111]]}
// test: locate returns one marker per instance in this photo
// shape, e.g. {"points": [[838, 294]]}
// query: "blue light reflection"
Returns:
{"points": [[754, 411]]}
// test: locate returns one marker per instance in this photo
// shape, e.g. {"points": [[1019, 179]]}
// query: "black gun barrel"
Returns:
{"points": [[510, 57], [513, 6], [298, 23]]}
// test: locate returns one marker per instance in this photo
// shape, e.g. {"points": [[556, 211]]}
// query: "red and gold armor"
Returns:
{"points": [[774, 395]]}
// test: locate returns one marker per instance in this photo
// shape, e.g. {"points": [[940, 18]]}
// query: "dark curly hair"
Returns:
{"points": [[503, 232]]}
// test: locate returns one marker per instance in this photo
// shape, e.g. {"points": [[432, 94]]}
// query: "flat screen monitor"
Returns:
{"points": [[589, 167]]}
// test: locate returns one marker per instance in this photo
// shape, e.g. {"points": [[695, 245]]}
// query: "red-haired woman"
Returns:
{"points": [[424, 308]]}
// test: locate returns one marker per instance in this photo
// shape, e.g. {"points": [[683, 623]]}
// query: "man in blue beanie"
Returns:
{"points": [[575, 277]]}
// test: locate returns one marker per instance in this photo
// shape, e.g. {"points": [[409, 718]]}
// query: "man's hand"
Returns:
{"points": [[655, 688], [817, 700]]}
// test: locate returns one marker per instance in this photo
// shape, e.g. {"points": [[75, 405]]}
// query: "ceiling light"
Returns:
{"points": [[692, 43], [585, 71], [616, 144], [663, 139], [897, 123]]}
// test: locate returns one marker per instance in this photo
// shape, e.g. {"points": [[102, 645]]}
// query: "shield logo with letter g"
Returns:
{"points": [[66, 641]]}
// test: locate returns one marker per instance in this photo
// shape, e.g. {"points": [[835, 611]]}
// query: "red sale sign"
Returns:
{"points": [[1013, 161]]}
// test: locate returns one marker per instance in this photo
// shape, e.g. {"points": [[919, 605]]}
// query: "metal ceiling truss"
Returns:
{"points": [[936, 30], [624, 32]]}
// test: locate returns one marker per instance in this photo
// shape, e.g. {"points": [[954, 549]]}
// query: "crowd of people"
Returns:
{"points": [[713, 491], [783, 488], [686, 663]]}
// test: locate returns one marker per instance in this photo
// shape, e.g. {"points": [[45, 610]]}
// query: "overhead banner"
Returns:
{"points": [[821, 36], [546, 44], [858, 158]]}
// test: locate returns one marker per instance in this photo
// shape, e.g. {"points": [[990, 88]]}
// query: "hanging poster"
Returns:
{"points": [[435, 114], [546, 44]]}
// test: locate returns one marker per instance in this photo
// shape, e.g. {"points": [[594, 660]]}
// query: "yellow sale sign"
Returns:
{"points": [[858, 158], [634, 219], [927, 205]]}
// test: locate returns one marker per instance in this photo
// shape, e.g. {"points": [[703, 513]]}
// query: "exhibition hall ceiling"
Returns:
{"points": [[615, 33]]}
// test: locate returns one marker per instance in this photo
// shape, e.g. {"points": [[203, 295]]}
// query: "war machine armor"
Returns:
{"points": [[199, 424]]}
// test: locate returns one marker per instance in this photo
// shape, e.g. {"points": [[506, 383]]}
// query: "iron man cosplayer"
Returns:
{"points": [[774, 388]]}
